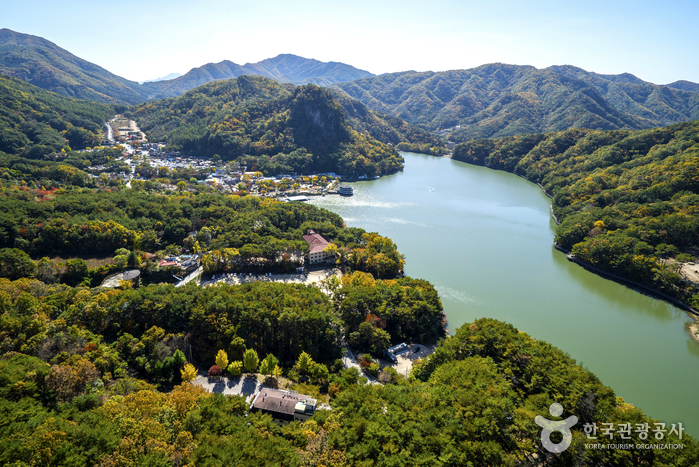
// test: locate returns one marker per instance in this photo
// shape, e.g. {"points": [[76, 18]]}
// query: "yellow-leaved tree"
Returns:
{"points": [[189, 372], [222, 359]]}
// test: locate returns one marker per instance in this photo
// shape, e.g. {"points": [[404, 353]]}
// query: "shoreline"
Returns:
{"points": [[680, 304], [693, 328]]}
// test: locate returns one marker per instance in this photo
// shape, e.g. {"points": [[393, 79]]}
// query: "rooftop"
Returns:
{"points": [[273, 400], [315, 241]]}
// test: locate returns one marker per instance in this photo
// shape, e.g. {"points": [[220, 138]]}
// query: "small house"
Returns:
{"points": [[284, 406]]}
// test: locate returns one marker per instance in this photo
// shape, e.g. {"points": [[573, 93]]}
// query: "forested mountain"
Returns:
{"points": [[502, 100], [285, 68], [36, 122], [281, 127], [46, 65], [289, 68], [628, 201], [198, 76], [661, 105], [684, 86]]}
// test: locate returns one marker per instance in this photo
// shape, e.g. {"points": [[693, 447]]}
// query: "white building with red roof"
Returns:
{"points": [[316, 248]]}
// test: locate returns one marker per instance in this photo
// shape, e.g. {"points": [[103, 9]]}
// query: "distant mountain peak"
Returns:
{"points": [[285, 68], [683, 85], [498, 99], [163, 78]]}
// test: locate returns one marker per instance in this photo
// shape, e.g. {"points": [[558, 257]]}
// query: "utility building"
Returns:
{"points": [[284, 406]]}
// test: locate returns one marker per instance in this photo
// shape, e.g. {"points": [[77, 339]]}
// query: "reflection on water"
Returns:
{"points": [[484, 239]]}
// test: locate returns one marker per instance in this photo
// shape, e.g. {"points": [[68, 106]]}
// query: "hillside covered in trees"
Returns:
{"points": [[36, 122], [498, 100], [628, 201], [284, 128], [44, 64], [95, 380]]}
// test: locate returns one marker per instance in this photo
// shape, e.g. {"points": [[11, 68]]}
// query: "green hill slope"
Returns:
{"points": [[36, 122], [502, 100], [44, 64], [283, 128]]}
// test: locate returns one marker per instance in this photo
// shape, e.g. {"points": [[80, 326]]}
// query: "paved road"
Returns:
{"points": [[350, 362], [190, 276]]}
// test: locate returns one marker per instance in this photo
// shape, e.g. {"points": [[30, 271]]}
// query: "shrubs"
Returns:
{"points": [[235, 368], [188, 373], [215, 371]]}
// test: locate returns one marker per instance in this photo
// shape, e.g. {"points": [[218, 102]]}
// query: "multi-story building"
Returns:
{"points": [[317, 244]]}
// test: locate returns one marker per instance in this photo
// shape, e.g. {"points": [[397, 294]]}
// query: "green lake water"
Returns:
{"points": [[484, 238]]}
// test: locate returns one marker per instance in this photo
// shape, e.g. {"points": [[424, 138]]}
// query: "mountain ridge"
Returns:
{"points": [[496, 100], [285, 68], [274, 127], [44, 64]]}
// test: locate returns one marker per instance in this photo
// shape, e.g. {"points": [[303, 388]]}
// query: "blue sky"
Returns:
{"points": [[656, 41]]}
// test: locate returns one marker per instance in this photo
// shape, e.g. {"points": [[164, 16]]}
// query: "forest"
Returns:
{"points": [[281, 128], [96, 376], [93, 379], [626, 200], [498, 100], [36, 122]]}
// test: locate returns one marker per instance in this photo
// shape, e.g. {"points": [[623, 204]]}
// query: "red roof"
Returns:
{"points": [[316, 243]]}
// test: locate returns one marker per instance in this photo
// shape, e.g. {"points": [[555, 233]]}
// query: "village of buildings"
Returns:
{"points": [[155, 160]]}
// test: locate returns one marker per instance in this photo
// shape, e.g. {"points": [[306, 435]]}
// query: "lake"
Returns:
{"points": [[484, 238]]}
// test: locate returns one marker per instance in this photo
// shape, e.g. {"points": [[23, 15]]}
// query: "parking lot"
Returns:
{"points": [[408, 357], [244, 385]]}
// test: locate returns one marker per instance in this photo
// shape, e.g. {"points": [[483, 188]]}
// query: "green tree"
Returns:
{"points": [[15, 263], [268, 364], [132, 259], [370, 338], [76, 271], [250, 360], [235, 368], [303, 363], [319, 373], [204, 235], [46, 271]]}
